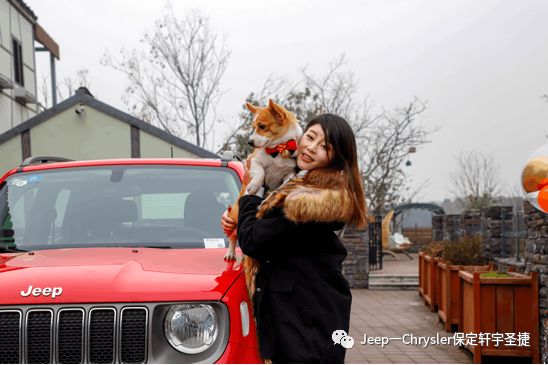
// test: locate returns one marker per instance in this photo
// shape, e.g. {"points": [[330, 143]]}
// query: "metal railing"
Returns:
{"points": [[374, 240]]}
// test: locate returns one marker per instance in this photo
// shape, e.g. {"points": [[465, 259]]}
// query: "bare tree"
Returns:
{"points": [[384, 147], [64, 89], [44, 92], [383, 138], [236, 140], [298, 98], [175, 82], [335, 90], [476, 180], [70, 84]]}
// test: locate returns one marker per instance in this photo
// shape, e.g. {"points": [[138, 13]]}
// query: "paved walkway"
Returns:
{"points": [[400, 266], [394, 313]]}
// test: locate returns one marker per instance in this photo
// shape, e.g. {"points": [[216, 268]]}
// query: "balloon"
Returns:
{"points": [[543, 199], [534, 179]]}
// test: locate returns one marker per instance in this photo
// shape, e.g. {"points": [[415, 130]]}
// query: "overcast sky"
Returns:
{"points": [[481, 65]]}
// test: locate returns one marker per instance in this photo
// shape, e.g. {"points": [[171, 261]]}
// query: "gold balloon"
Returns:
{"points": [[532, 176], [535, 170]]}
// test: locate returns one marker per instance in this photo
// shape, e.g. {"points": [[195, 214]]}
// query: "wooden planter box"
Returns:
{"points": [[430, 285], [450, 292], [438, 282], [501, 305], [422, 280]]}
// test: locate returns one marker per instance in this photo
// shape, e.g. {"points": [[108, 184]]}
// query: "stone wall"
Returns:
{"points": [[472, 223], [437, 227], [356, 264], [536, 259], [451, 227], [498, 220], [491, 224]]}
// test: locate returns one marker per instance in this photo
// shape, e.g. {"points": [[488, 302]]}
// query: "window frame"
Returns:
{"points": [[18, 67]]}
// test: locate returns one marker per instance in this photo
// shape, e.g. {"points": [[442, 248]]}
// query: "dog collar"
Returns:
{"points": [[285, 149]]}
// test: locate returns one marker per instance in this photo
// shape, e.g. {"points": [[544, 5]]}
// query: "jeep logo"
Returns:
{"points": [[54, 292]]}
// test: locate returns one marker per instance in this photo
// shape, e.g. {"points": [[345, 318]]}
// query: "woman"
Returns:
{"points": [[301, 296]]}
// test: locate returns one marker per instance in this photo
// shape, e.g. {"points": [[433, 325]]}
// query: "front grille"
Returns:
{"points": [[70, 335], [10, 337], [39, 333], [102, 325], [134, 336]]}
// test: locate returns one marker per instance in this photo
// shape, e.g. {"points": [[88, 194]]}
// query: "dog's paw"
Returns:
{"points": [[230, 255], [253, 187]]}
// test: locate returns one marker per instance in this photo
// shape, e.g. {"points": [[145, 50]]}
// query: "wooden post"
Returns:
{"points": [[477, 316]]}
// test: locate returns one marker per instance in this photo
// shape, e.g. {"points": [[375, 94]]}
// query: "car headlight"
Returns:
{"points": [[191, 328]]}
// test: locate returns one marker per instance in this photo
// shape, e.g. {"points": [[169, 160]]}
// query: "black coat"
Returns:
{"points": [[301, 295]]}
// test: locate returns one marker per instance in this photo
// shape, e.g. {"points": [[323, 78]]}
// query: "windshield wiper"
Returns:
{"points": [[5, 248]]}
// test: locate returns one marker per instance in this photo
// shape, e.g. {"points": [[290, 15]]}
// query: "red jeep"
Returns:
{"points": [[121, 261]]}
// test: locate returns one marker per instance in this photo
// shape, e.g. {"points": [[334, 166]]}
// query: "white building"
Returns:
{"points": [[84, 128], [18, 32]]}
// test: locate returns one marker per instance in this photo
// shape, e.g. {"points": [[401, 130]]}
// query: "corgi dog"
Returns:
{"points": [[276, 132]]}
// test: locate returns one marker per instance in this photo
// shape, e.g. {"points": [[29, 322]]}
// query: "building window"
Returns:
{"points": [[18, 62]]}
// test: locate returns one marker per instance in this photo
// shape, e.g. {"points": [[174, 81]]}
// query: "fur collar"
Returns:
{"points": [[318, 196]]}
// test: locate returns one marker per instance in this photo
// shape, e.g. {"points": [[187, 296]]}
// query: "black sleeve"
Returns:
{"points": [[256, 237], [271, 235]]}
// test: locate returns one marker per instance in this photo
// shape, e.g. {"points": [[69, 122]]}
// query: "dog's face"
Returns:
{"points": [[270, 123]]}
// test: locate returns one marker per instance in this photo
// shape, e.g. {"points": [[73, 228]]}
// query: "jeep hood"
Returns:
{"points": [[91, 275]]}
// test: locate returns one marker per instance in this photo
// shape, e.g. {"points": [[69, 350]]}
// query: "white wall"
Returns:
{"points": [[14, 24], [5, 113], [22, 30], [93, 135], [10, 154], [5, 39], [154, 147]]}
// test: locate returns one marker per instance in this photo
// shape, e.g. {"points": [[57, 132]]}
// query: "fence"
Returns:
{"points": [[375, 243]]}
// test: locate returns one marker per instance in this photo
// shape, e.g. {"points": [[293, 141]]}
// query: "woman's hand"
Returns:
{"points": [[228, 223]]}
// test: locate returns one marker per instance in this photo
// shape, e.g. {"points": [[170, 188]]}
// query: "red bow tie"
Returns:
{"points": [[290, 146]]}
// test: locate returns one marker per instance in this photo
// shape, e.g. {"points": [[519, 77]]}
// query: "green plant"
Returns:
{"points": [[467, 251], [494, 274]]}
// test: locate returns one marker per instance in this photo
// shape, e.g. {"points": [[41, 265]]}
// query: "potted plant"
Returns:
{"points": [[504, 303], [466, 254]]}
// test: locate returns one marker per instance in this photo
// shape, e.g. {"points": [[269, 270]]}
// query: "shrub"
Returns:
{"points": [[435, 249], [467, 251]]}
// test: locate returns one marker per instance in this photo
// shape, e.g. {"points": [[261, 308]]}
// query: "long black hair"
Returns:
{"points": [[339, 135]]}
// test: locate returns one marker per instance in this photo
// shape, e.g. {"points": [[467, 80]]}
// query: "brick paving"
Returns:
{"points": [[400, 266], [393, 313]]}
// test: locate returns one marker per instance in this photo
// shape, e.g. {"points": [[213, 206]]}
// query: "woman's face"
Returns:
{"points": [[312, 151]]}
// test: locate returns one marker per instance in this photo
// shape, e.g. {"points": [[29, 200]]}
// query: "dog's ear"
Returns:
{"points": [[253, 109], [276, 110]]}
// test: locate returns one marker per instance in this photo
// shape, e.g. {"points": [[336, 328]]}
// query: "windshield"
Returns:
{"points": [[151, 206]]}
